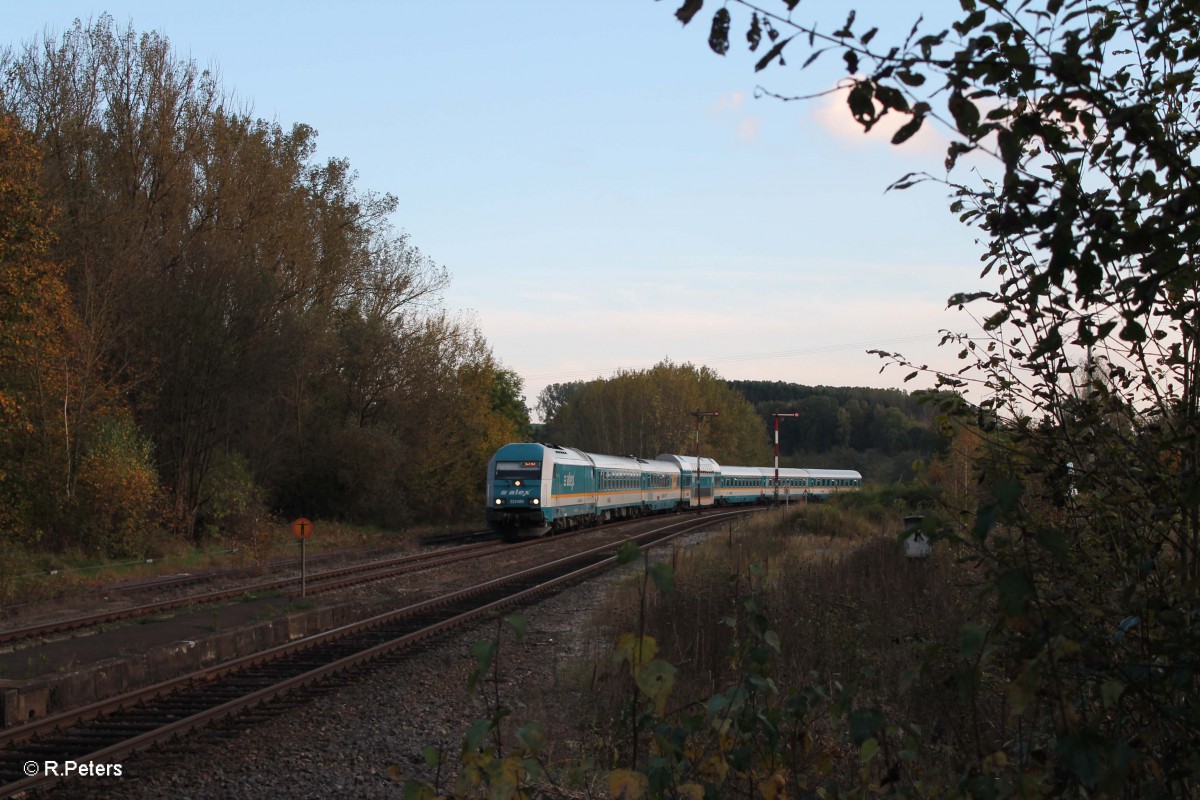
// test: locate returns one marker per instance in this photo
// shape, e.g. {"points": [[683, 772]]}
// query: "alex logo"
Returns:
{"points": [[515, 492]]}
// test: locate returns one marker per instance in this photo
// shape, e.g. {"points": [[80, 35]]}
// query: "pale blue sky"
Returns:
{"points": [[604, 190]]}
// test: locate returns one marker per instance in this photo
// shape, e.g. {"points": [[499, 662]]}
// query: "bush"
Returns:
{"points": [[233, 504], [117, 495]]}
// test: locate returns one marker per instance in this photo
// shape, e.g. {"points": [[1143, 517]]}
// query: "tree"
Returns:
{"points": [[1081, 121], [879, 432], [252, 307], [37, 366], [557, 395], [509, 403], [648, 412]]}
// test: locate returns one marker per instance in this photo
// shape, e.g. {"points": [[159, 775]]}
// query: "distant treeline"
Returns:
{"points": [[880, 432], [202, 323]]}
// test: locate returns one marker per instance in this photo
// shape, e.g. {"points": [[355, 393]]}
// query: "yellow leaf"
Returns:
{"points": [[625, 784], [1022, 691], [511, 771], [714, 768], [691, 791], [656, 679], [996, 761], [637, 650], [773, 787]]}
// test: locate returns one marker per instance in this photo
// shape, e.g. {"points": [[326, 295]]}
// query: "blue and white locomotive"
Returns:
{"points": [[535, 489]]}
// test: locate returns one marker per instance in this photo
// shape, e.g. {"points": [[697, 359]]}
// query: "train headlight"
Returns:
{"points": [[499, 502], [516, 483], [537, 502]]}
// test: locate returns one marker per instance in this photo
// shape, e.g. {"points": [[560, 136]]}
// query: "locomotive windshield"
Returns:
{"points": [[518, 470]]}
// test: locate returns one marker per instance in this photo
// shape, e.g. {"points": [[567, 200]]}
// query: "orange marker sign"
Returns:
{"points": [[301, 528]]}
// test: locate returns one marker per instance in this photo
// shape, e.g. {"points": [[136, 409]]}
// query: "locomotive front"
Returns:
{"points": [[518, 490]]}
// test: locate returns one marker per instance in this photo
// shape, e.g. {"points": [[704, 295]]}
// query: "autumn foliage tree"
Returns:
{"points": [[77, 472], [648, 412], [250, 310], [37, 367]]}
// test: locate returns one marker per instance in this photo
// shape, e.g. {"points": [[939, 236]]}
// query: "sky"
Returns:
{"points": [[605, 191]]}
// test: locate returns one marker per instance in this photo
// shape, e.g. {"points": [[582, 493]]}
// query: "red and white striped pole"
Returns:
{"points": [[777, 416]]}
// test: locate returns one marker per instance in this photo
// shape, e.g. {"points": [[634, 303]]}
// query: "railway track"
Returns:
{"points": [[107, 731], [459, 538], [325, 581], [161, 583]]}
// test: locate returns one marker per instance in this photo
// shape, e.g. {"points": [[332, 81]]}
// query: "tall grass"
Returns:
{"points": [[850, 610]]}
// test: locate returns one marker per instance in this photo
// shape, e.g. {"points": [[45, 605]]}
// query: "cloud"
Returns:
{"points": [[748, 128], [833, 116], [730, 109], [730, 102]]}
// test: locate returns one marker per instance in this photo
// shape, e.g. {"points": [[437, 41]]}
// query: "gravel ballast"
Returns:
{"points": [[342, 742]]}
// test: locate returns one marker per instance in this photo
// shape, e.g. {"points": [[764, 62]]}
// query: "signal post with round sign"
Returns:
{"points": [[302, 528]]}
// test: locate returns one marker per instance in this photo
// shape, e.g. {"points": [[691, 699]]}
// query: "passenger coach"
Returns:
{"points": [[534, 489]]}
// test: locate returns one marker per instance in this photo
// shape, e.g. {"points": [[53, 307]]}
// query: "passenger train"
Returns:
{"points": [[534, 489]]}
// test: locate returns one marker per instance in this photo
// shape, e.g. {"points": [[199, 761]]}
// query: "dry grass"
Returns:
{"points": [[849, 609], [27, 575]]}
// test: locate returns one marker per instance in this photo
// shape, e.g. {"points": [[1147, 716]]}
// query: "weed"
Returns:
{"points": [[268, 612], [36, 666]]}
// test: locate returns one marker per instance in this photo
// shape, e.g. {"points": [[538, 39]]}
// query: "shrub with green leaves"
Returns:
{"points": [[117, 492], [232, 503]]}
